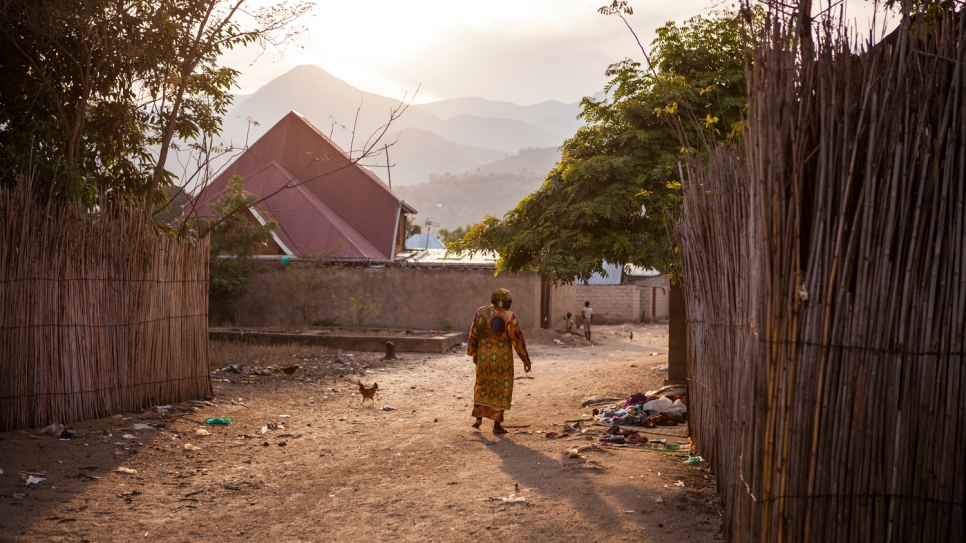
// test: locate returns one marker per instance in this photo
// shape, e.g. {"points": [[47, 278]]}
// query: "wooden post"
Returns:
{"points": [[390, 351], [677, 352]]}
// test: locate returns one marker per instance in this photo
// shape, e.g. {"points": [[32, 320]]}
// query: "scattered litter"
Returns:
{"points": [[18, 495], [31, 480], [558, 342], [513, 498], [129, 436], [54, 429], [129, 471], [628, 512], [225, 420], [658, 500], [142, 426], [25, 474], [694, 460], [285, 416], [387, 408], [679, 483], [1, 471], [593, 400], [190, 447], [202, 432], [555, 435], [264, 430]]}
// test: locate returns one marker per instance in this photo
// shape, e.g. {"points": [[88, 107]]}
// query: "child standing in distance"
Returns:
{"points": [[569, 322], [587, 312]]}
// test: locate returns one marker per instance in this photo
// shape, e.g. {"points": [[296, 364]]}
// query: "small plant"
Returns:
{"points": [[447, 324], [301, 289], [359, 311], [323, 322]]}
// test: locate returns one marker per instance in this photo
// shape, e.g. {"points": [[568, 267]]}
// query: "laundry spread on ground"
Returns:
{"points": [[627, 420]]}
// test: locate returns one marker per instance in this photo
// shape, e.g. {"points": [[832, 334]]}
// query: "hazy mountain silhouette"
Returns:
{"points": [[507, 135], [469, 147], [429, 143], [458, 200], [528, 161], [418, 153], [553, 116], [491, 189], [326, 101]]}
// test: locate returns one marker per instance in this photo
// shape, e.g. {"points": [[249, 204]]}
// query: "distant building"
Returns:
{"points": [[418, 242], [628, 294], [323, 203]]}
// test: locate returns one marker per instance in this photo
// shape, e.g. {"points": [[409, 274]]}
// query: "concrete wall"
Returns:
{"points": [[623, 303], [562, 300], [411, 297]]}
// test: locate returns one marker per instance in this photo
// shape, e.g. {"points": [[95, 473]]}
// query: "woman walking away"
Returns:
{"points": [[494, 336]]}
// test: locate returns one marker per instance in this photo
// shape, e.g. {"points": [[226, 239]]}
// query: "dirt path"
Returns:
{"points": [[335, 471]]}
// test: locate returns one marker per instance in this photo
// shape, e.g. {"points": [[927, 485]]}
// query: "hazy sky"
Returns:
{"points": [[523, 51]]}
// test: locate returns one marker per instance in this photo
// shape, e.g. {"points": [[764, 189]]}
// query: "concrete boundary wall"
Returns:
{"points": [[623, 303], [411, 297]]}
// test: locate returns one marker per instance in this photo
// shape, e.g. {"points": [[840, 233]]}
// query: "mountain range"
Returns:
{"points": [[459, 142]]}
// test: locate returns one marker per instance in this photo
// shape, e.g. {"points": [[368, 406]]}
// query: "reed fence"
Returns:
{"points": [[99, 314], [825, 274]]}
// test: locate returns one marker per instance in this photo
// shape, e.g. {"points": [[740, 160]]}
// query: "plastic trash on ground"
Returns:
{"points": [[224, 420]]}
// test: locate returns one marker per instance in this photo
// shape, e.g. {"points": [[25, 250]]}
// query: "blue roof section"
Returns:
{"points": [[423, 241], [614, 273]]}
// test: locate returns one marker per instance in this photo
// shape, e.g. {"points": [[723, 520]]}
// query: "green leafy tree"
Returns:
{"points": [[95, 94], [617, 188], [412, 229], [450, 236], [235, 233]]}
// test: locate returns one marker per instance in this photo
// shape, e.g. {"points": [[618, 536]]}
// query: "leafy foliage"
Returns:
{"points": [[617, 188], [301, 290], [412, 229], [456, 234], [358, 311], [96, 93], [233, 233]]}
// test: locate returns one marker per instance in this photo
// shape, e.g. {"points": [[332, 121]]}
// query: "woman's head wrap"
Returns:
{"points": [[500, 298]]}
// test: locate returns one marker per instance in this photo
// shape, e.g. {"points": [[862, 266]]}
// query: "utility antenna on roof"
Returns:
{"points": [[385, 147], [429, 226]]}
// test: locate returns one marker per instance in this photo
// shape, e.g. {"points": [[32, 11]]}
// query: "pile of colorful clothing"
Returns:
{"points": [[667, 406]]}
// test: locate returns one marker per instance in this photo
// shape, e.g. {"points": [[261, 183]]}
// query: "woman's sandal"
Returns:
{"points": [[498, 429]]}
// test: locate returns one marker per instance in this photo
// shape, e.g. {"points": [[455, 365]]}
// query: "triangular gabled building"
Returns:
{"points": [[323, 203]]}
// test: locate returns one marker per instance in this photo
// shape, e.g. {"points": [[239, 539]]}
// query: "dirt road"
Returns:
{"points": [[330, 470]]}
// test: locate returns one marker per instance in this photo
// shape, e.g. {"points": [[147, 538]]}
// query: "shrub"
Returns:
{"points": [[358, 311]]}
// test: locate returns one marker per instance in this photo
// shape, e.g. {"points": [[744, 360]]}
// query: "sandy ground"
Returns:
{"points": [[334, 471]]}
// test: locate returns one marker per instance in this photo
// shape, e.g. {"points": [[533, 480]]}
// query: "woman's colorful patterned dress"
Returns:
{"points": [[493, 337]]}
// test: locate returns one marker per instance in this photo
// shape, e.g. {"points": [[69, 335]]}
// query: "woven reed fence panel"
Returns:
{"points": [[96, 316], [825, 274]]}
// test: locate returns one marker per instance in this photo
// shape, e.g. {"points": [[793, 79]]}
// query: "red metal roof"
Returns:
{"points": [[322, 201]]}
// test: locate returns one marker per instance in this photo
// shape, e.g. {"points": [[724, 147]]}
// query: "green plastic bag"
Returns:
{"points": [[694, 460], [225, 420]]}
